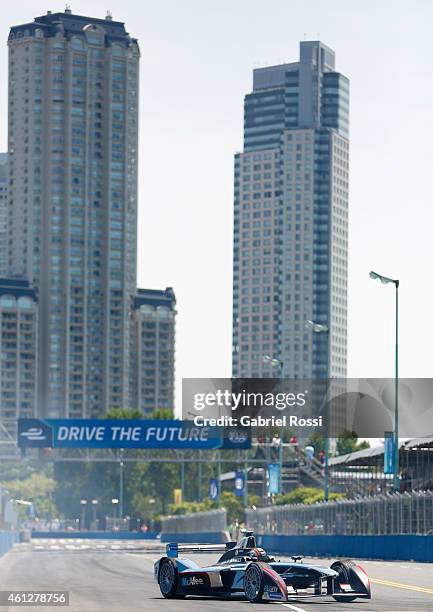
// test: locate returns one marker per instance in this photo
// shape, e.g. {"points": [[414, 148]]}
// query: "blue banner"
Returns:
{"points": [[240, 484], [388, 456], [213, 489], [134, 433], [274, 479]]}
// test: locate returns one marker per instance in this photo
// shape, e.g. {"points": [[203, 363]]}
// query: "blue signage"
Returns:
{"points": [[274, 479], [213, 489], [134, 433], [388, 456], [240, 484]]}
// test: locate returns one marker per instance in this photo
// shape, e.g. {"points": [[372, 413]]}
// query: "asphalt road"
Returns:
{"points": [[108, 575]]}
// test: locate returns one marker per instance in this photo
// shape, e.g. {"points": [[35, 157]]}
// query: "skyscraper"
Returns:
{"points": [[18, 351], [3, 214], [155, 320], [72, 203], [291, 220]]}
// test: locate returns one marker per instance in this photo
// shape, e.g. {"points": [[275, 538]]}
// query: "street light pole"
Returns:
{"points": [[280, 454], [396, 443], [83, 503], [182, 477], [121, 466], [278, 363], [318, 328], [114, 501], [199, 478], [94, 504], [385, 280]]}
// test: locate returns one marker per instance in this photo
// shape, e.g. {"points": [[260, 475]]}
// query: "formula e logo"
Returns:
{"points": [[34, 433], [192, 581], [237, 437]]}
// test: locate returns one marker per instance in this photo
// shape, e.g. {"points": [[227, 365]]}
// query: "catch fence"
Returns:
{"points": [[387, 514], [199, 522]]}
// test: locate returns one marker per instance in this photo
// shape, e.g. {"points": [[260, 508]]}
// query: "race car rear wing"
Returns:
{"points": [[173, 548]]}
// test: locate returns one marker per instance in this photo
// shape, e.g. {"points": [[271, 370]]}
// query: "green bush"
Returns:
{"points": [[191, 507], [305, 495]]}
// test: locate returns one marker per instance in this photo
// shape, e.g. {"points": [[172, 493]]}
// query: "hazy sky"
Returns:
{"points": [[197, 60]]}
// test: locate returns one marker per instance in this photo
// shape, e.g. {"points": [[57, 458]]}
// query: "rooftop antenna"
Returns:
{"points": [[68, 9], [109, 16], [305, 35]]}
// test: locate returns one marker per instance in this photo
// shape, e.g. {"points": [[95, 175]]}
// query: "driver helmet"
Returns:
{"points": [[258, 554]]}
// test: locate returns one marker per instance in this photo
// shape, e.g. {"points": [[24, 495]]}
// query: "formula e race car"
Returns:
{"points": [[248, 570]]}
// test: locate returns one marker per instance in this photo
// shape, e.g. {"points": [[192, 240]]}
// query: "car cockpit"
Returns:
{"points": [[244, 550]]}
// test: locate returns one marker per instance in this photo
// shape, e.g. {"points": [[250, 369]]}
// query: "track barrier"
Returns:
{"points": [[96, 535], [391, 547]]}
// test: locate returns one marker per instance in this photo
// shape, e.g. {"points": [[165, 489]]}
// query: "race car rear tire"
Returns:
{"points": [[343, 569], [253, 583], [167, 579]]}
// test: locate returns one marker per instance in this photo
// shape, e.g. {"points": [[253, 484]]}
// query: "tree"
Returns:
{"points": [[123, 413], [148, 487], [317, 441], [234, 505], [347, 442], [38, 489], [155, 480], [161, 414], [24, 469]]}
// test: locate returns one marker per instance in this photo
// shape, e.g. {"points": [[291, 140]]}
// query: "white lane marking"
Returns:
{"points": [[292, 607]]}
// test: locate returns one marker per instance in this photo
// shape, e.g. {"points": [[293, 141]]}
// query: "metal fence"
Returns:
{"points": [[199, 522], [407, 513]]}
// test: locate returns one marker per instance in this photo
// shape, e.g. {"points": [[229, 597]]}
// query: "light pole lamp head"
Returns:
{"points": [[316, 327], [385, 280], [272, 360]]}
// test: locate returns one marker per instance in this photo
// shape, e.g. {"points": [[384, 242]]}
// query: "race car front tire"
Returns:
{"points": [[343, 569], [167, 579], [253, 583]]}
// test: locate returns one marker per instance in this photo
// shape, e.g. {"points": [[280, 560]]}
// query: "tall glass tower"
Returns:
{"points": [[291, 220], [72, 203]]}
